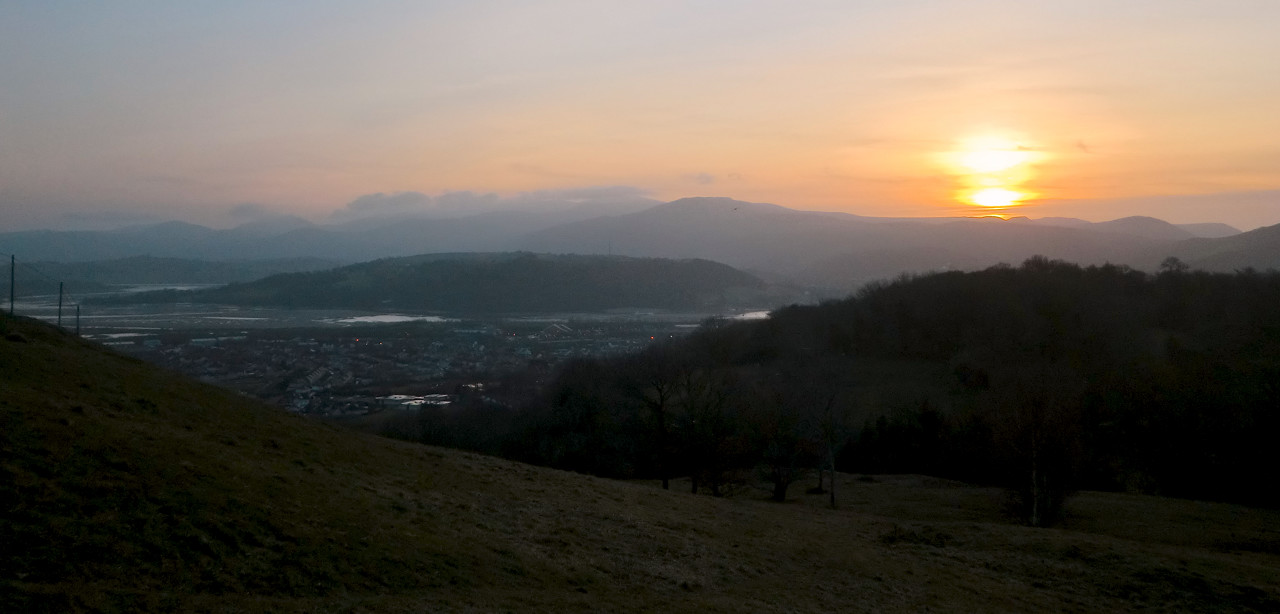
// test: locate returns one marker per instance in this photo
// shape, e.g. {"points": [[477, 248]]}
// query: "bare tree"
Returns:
{"points": [[833, 431], [707, 426], [657, 380], [1037, 423], [784, 437]]}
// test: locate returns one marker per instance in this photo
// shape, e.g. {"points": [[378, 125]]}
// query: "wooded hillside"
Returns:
{"points": [[1044, 378], [495, 283]]}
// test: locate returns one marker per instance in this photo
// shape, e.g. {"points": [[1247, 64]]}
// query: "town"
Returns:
{"points": [[335, 372]]}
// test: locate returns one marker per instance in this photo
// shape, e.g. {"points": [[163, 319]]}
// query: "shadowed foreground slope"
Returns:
{"points": [[125, 488]]}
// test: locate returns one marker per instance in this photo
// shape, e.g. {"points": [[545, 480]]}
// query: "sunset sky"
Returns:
{"points": [[120, 112]]}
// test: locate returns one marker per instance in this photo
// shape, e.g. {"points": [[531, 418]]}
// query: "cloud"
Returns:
{"points": [[380, 204], [415, 204], [702, 178]]}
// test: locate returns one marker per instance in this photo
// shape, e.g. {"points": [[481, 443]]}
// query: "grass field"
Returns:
{"points": [[129, 489]]}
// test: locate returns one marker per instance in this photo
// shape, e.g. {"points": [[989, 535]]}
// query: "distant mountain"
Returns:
{"points": [[843, 250], [836, 250], [1146, 227], [1211, 230], [753, 236], [1139, 226], [972, 245], [1258, 249], [1067, 222], [1149, 227], [496, 283], [291, 237]]}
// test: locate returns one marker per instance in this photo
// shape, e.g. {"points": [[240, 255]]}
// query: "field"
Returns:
{"points": [[131, 489]]}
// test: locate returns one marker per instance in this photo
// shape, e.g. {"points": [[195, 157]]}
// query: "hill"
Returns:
{"points": [[846, 251], [1258, 249], [836, 250], [130, 489], [1143, 226], [754, 236], [1212, 230], [100, 275], [353, 240], [1043, 378], [497, 283], [967, 245]]}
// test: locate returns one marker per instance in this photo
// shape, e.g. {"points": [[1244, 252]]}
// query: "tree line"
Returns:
{"points": [[1042, 378]]}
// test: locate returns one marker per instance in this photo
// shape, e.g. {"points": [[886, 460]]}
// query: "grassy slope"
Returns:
{"points": [[125, 488]]}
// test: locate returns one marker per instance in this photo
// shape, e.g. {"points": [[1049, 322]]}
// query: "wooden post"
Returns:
{"points": [[77, 319]]}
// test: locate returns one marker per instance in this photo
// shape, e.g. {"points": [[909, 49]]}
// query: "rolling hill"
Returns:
{"points": [[131, 489], [846, 251], [497, 283], [290, 237], [1258, 249], [837, 250]]}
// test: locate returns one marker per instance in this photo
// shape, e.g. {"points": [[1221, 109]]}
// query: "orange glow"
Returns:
{"points": [[991, 171], [994, 158], [997, 198]]}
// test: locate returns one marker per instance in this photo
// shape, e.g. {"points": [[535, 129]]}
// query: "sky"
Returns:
{"points": [[217, 112]]}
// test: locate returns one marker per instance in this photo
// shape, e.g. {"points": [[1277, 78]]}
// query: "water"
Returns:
{"points": [[99, 321]]}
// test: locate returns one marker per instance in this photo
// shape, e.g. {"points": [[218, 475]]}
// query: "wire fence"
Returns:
{"points": [[61, 309]]}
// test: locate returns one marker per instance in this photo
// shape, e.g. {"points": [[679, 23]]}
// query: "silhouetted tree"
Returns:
{"points": [[1043, 377], [708, 427], [783, 436], [1037, 426], [655, 376], [1173, 264]]}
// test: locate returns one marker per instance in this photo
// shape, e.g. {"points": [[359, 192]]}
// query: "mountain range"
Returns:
{"points": [[822, 248]]}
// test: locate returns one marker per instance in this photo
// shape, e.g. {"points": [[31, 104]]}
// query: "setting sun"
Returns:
{"points": [[992, 171], [996, 198]]}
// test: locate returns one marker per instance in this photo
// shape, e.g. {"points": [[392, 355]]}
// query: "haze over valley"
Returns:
{"points": [[819, 249]]}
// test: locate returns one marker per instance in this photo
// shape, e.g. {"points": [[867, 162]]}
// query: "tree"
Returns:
{"points": [[833, 431], [655, 379], [1173, 264], [707, 428], [783, 437], [1038, 428]]}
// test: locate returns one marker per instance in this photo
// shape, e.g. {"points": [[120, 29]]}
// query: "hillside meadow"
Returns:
{"points": [[130, 489]]}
